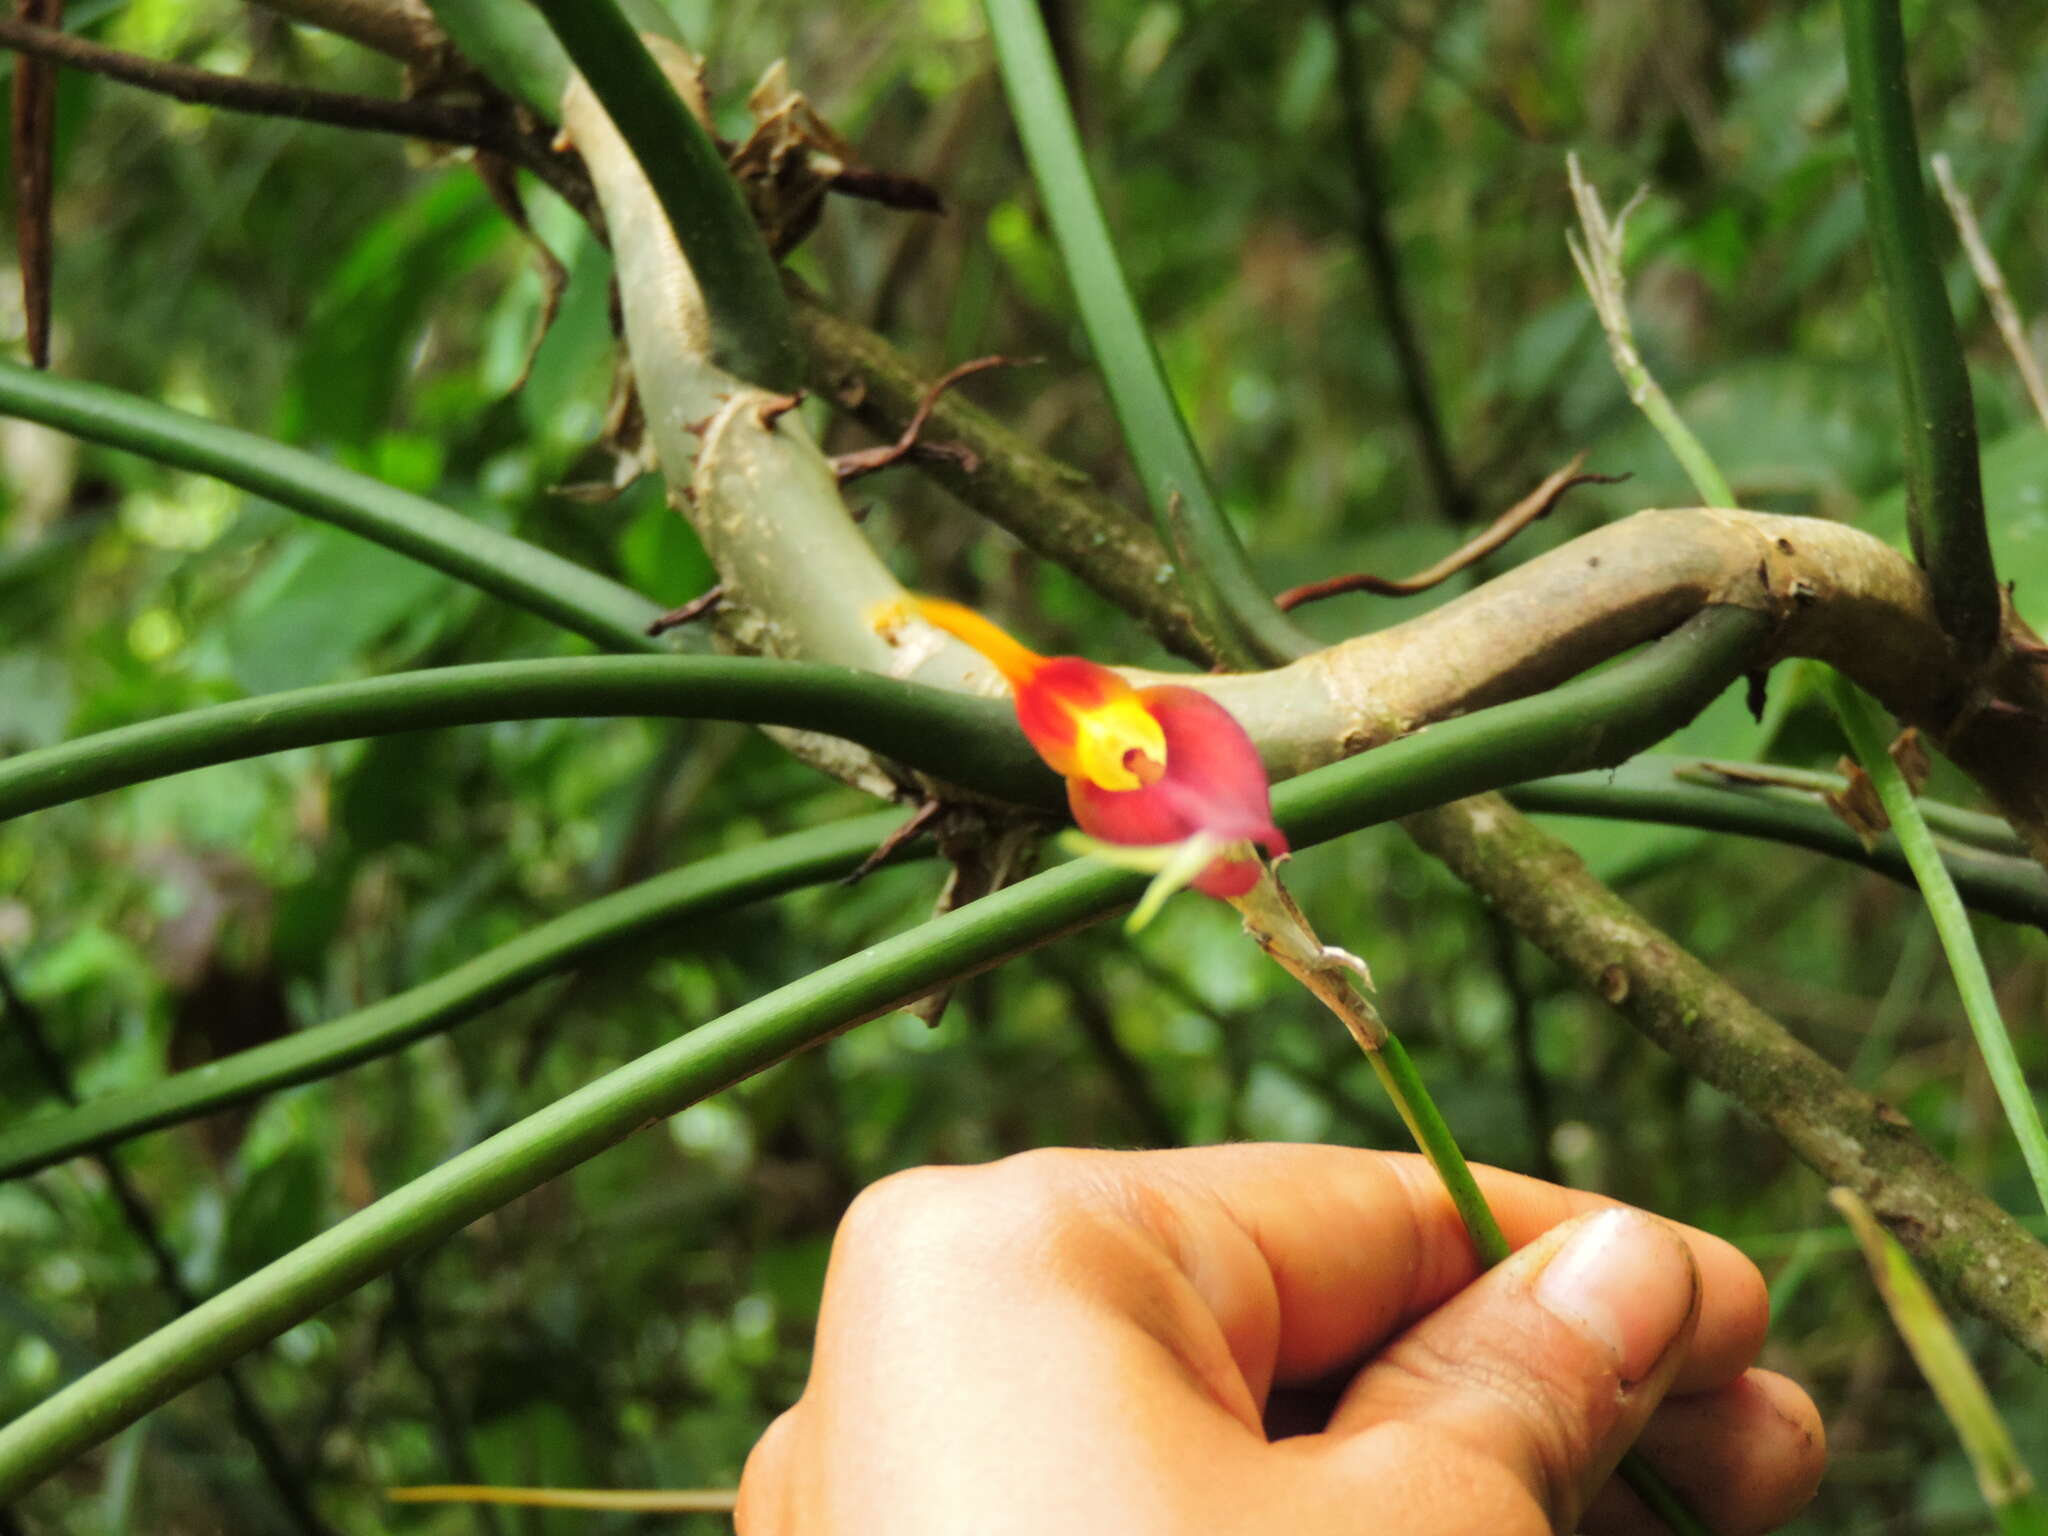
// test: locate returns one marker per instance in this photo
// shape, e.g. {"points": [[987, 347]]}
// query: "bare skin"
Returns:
{"points": [[1092, 1342]]}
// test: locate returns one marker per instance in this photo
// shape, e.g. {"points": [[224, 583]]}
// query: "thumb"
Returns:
{"points": [[1547, 1367]]}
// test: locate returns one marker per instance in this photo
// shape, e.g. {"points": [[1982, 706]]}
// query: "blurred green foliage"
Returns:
{"points": [[636, 1323]]}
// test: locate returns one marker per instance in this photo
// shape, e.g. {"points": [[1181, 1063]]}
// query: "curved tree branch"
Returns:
{"points": [[1835, 594]]}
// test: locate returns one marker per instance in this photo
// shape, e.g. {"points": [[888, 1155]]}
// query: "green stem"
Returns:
{"points": [[1161, 446], [1865, 729], [953, 735], [1945, 496], [717, 884], [1397, 1074], [1607, 716], [752, 335], [1807, 786], [1432, 1133], [529, 577], [1650, 789]]}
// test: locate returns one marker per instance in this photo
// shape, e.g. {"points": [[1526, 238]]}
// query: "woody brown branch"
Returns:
{"points": [[1835, 594], [1538, 504], [490, 129], [1975, 1252]]}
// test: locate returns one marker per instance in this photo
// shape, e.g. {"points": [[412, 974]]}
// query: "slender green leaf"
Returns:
{"points": [[1864, 726], [2007, 1485], [1945, 496], [1176, 482]]}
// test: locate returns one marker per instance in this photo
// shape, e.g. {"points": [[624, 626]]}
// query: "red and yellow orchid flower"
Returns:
{"points": [[1166, 768]]}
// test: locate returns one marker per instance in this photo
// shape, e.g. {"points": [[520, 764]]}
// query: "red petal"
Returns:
{"points": [[1213, 771], [1214, 783]]}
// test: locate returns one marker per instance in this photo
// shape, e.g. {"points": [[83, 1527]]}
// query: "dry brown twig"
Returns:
{"points": [[1992, 280], [1532, 507], [491, 129], [34, 149], [909, 444]]}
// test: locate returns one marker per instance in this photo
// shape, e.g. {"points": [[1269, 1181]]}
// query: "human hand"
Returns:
{"points": [[1077, 1342]]}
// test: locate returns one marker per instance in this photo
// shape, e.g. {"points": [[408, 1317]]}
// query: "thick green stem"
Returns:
{"points": [[579, 600], [1650, 789], [1945, 496], [970, 740], [1866, 731], [1606, 716], [576, 938], [1176, 482], [751, 332]]}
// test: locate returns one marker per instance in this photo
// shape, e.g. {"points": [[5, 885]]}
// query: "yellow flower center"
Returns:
{"points": [[1119, 745]]}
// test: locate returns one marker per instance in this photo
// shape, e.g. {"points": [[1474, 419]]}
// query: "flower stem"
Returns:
{"points": [[1432, 1133], [1337, 979]]}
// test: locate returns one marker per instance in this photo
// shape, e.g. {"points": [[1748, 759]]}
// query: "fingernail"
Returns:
{"points": [[1626, 1281]]}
